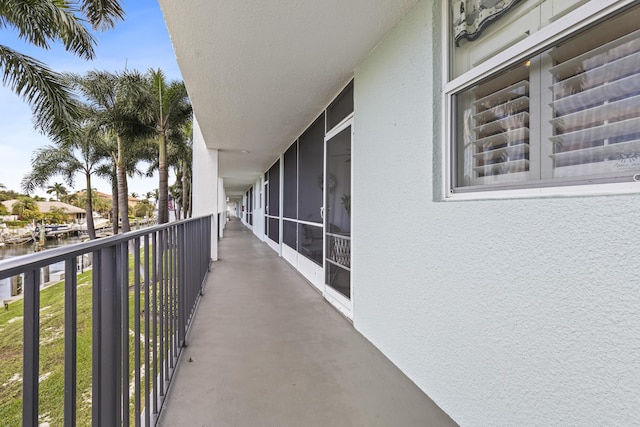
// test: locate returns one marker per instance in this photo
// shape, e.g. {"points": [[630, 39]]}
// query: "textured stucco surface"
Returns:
{"points": [[505, 312], [205, 188]]}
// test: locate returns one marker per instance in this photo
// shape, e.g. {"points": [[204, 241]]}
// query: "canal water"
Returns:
{"points": [[10, 251]]}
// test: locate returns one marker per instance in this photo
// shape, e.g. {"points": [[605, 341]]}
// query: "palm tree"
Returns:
{"points": [[175, 191], [42, 23], [70, 199], [115, 208], [26, 208], [115, 101], [142, 150], [57, 189], [85, 155], [101, 205], [181, 158], [170, 110]]}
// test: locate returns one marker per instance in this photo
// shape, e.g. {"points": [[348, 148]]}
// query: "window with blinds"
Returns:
{"points": [[496, 132], [596, 102], [568, 115]]}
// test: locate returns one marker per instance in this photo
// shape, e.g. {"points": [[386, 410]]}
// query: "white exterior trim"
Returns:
{"points": [[313, 272], [281, 205], [273, 245], [340, 126], [299, 221], [290, 255], [564, 191], [339, 301]]}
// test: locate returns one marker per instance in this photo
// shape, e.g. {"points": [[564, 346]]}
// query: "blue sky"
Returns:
{"points": [[139, 42]]}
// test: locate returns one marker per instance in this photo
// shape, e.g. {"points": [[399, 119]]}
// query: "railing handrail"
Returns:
{"points": [[157, 272], [17, 265]]}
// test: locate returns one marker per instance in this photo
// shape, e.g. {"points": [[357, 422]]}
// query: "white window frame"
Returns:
{"points": [[564, 26]]}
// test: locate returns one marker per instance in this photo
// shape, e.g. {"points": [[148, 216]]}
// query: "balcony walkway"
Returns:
{"points": [[266, 349]]}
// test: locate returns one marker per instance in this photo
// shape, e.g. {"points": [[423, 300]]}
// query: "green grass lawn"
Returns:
{"points": [[51, 400]]}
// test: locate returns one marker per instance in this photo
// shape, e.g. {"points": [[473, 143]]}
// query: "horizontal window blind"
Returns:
{"points": [[502, 129], [596, 107], [496, 132]]}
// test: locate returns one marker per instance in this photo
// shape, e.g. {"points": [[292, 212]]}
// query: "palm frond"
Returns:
{"points": [[102, 14], [170, 106], [116, 100], [105, 171], [42, 88], [178, 105], [43, 22], [48, 162]]}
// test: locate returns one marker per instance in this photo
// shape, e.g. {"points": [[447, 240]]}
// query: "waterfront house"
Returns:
{"points": [[459, 178], [74, 214], [132, 201]]}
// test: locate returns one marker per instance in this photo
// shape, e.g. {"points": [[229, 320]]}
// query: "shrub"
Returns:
{"points": [[18, 224]]}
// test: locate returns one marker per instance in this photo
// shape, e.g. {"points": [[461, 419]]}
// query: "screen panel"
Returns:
{"points": [[274, 229], [289, 234], [274, 189], [311, 174], [341, 107], [290, 184], [310, 242]]}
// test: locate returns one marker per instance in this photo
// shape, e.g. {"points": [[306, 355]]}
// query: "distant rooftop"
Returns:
{"points": [[46, 207]]}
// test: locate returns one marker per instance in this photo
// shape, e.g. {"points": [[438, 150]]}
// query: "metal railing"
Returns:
{"points": [[145, 288]]}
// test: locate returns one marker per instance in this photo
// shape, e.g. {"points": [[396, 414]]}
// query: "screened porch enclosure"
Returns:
{"points": [[307, 200]]}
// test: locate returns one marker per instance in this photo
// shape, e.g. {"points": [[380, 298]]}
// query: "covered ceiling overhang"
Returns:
{"points": [[259, 72]]}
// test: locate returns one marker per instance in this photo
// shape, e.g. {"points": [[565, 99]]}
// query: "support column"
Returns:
{"points": [[205, 184], [281, 205], [222, 207]]}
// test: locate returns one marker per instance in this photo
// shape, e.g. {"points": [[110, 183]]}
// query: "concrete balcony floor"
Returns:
{"points": [[266, 349]]}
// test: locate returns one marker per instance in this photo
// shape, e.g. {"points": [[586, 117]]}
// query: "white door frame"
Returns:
{"points": [[342, 303]]}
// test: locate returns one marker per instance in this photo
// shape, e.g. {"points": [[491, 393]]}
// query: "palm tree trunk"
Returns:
{"points": [[163, 186], [123, 197], [185, 193], [190, 198], [89, 210], [114, 198]]}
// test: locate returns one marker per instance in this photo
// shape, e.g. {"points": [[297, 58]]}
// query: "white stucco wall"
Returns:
{"points": [[505, 312], [205, 184]]}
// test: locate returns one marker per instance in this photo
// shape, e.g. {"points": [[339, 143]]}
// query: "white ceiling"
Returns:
{"points": [[259, 72]]}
